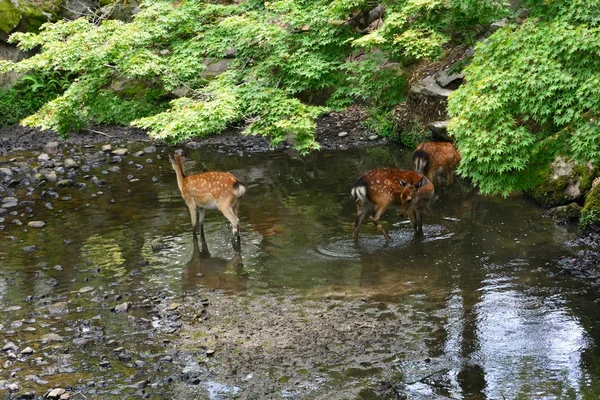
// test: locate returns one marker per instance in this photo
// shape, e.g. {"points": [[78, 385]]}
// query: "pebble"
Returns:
{"points": [[36, 224], [342, 134], [10, 346], [52, 337], [106, 148], [119, 152], [174, 306], [55, 393], [123, 307], [43, 157], [70, 163], [13, 387], [373, 137], [86, 289], [26, 351]]}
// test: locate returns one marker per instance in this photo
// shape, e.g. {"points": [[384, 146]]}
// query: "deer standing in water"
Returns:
{"points": [[385, 186], [434, 159], [209, 190]]}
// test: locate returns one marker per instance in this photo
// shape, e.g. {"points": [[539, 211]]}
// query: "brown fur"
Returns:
{"points": [[435, 160], [386, 186], [219, 190]]}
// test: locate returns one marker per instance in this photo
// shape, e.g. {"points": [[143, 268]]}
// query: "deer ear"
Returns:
{"points": [[402, 182], [421, 182]]}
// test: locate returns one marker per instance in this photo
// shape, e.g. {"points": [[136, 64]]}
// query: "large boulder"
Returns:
{"points": [[10, 16], [590, 215], [564, 182]]}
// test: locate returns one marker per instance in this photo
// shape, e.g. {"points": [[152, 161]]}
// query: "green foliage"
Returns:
{"points": [[380, 121], [29, 94], [532, 93], [589, 219], [283, 52], [416, 135]]}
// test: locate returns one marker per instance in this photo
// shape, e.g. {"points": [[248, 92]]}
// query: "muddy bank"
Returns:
{"points": [[335, 130]]}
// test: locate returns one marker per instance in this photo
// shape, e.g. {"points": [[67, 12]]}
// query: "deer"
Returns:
{"points": [[382, 187], [209, 190], [434, 159]]}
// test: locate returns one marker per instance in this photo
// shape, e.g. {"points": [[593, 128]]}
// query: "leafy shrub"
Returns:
{"points": [[532, 93], [283, 49]]}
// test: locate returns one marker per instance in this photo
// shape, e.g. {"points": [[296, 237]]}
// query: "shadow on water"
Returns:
{"points": [[478, 315]]}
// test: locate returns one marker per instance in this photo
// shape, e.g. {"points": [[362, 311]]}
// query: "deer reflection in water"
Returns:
{"points": [[214, 272]]}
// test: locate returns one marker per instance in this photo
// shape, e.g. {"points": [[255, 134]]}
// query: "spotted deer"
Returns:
{"points": [[209, 190], [379, 188], [436, 159]]}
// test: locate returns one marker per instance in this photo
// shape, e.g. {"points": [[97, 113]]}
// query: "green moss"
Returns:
{"points": [[590, 215], [551, 192], [565, 214], [10, 16], [37, 13]]}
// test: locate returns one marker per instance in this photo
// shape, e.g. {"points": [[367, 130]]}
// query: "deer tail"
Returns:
{"points": [[239, 189], [359, 191], [420, 160]]}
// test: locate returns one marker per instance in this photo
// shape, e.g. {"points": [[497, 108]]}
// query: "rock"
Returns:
{"points": [[563, 183], [36, 224], [373, 137], [5, 172], [445, 79], [119, 152], [590, 214], [439, 130], [51, 147], [114, 169], [43, 157], [565, 214], [173, 306], [138, 154], [86, 289], [26, 351], [51, 176], [123, 307], [70, 163], [342, 134], [106, 148], [13, 387], [3, 211], [10, 346], [65, 183], [429, 87], [52, 337], [498, 25], [29, 249], [150, 149], [55, 393], [65, 396], [60, 308]]}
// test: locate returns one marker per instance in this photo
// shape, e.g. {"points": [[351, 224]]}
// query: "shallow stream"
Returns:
{"points": [[475, 310]]}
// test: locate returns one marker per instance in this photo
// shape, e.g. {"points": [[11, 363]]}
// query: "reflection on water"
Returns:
{"points": [[214, 272], [497, 327]]}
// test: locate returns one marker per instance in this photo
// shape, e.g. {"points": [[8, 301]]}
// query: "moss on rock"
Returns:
{"points": [[565, 214], [564, 182], [590, 215], [10, 16]]}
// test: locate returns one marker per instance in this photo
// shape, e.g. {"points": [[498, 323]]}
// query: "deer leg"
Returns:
{"points": [[201, 221], [194, 216], [235, 222], [419, 223], [360, 215], [375, 219]]}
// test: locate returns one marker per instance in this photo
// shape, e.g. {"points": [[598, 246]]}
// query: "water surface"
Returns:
{"points": [[479, 291]]}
